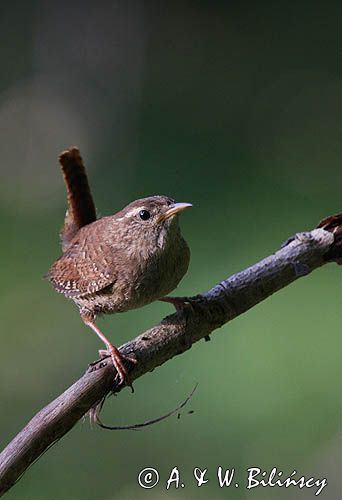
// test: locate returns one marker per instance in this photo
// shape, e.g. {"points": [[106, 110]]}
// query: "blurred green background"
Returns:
{"points": [[236, 107]]}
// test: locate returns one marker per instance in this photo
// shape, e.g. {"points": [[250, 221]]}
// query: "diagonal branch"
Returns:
{"points": [[174, 335]]}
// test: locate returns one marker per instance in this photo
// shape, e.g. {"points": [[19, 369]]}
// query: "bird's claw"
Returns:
{"points": [[118, 360], [180, 303], [103, 353]]}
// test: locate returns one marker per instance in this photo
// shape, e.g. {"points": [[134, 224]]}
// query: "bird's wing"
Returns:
{"points": [[85, 268]]}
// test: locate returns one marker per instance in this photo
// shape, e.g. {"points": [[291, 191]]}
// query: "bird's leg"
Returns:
{"points": [[117, 357]]}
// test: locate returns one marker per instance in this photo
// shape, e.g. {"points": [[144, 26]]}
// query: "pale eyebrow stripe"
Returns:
{"points": [[134, 211]]}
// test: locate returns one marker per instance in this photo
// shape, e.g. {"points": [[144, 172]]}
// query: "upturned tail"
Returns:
{"points": [[81, 208]]}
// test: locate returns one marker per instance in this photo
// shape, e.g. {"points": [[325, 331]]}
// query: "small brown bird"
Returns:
{"points": [[123, 262]]}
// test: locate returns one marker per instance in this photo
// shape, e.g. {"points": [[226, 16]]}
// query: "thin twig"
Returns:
{"points": [[147, 423]]}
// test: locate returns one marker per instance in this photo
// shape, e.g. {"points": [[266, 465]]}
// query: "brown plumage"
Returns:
{"points": [[122, 262], [81, 209]]}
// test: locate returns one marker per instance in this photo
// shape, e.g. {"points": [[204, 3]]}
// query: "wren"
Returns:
{"points": [[122, 262]]}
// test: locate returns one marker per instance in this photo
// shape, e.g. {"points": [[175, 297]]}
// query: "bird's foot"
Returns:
{"points": [[180, 303], [103, 353], [184, 303], [118, 360]]}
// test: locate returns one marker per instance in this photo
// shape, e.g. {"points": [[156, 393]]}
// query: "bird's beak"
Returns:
{"points": [[174, 209]]}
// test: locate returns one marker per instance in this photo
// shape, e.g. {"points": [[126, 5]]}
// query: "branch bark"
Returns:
{"points": [[173, 335]]}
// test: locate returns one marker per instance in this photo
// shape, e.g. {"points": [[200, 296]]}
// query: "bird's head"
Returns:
{"points": [[155, 216]]}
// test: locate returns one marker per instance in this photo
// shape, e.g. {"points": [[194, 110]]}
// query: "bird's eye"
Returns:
{"points": [[144, 214]]}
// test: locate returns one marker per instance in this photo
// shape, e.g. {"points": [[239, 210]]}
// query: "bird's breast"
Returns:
{"points": [[146, 278], [141, 277]]}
